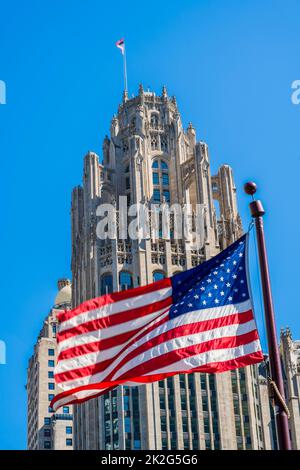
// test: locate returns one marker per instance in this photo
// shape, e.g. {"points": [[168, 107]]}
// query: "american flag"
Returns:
{"points": [[200, 320], [121, 45]]}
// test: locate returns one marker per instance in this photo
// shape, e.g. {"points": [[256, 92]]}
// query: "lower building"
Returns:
{"points": [[290, 357], [45, 429]]}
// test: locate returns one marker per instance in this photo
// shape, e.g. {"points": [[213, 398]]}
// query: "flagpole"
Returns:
{"points": [[125, 70], [257, 212]]}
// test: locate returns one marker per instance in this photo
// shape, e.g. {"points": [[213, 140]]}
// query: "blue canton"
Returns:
{"points": [[222, 280]]}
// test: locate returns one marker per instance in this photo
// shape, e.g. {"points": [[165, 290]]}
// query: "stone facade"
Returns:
{"points": [[290, 356], [151, 158], [45, 429]]}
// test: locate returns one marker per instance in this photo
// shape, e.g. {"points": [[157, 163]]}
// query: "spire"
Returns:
{"points": [[164, 92], [141, 89]]}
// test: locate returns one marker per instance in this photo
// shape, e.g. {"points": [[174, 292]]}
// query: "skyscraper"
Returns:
{"points": [[150, 158], [45, 429]]}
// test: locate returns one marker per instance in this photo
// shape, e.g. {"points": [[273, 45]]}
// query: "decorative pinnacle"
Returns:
{"points": [[141, 89], [125, 96], [164, 92], [250, 188]]}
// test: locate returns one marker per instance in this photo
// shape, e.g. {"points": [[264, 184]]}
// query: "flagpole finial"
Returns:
{"points": [[250, 188], [256, 206]]}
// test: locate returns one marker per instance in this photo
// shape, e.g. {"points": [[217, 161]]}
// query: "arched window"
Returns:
{"points": [[106, 285], [160, 181], [154, 121], [125, 280], [158, 276]]}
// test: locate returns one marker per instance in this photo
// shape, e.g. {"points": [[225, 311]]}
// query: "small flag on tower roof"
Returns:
{"points": [[121, 45]]}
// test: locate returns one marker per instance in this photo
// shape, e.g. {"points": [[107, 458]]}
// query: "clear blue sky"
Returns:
{"points": [[230, 65]]}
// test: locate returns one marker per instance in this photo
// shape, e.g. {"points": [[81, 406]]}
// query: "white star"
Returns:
{"points": [[222, 292], [244, 295], [208, 280], [222, 278], [179, 282], [228, 270], [242, 281], [234, 263], [181, 303], [241, 268], [190, 305], [222, 265], [234, 276], [175, 311], [229, 298], [228, 284], [241, 255], [215, 286], [209, 294], [196, 296], [204, 302], [216, 301], [235, 290], [215, 273], [202, 288]]}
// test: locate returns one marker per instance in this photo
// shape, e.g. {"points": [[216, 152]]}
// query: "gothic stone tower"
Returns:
{"points": [[150, 158]]}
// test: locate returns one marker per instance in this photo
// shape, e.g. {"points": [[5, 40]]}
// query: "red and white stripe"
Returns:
{"points": [[128, 338]]}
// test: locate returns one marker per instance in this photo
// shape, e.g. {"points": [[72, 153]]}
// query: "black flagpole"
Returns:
{"points": [[257, 212]]}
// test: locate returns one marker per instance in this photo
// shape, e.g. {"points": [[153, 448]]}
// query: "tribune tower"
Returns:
{"points": [[151, 158]]}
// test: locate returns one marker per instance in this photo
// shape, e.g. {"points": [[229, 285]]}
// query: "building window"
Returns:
{"points": [[154, 142], [106, 284], [156, 195], [164, 143], [50, 363], [155, 178], [158, 276], [50, 352], [69, 442], [160, 180], [50, 409], [47, 432], [125, 280], [166, 196], [165, 179], [68, 429], [47, 421], [50, 374], [65, 409], [47, 444], [51, 386], [50, 396]]}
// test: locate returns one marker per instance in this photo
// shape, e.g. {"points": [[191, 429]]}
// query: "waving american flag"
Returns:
{"points": [[200, 320]]}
